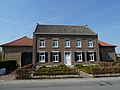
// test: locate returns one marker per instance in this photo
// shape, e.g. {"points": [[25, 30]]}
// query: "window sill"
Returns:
{"points": [[55, 61], [79, 61], [91, 60], [67, 47], [90, 47], [41, 62]]}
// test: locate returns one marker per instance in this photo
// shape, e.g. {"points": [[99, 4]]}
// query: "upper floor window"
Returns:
{"points": [[42, 43], [55, 43], [90, 43], [78, 43], [67, 42]]}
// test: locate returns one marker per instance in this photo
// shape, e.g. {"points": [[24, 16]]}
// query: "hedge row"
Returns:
{"points": [[59, 70], [23, 73], [105, 70]]}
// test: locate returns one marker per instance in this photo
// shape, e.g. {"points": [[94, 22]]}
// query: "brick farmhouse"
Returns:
{"points": [[59, 44]]}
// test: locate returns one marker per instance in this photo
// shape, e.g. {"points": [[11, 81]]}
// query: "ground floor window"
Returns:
{"points": [[55, 56], [79, 56], [91, 56], [42, 56]]}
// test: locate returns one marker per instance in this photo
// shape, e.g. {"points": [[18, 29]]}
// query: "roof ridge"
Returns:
{"points": [[15, 40], [107, 44], [60, 25]]}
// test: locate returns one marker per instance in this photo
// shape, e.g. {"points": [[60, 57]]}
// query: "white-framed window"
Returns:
{"points": [[91, 56], [78, 42], [90, 43], [55, 42], [42, 43], [67, 43], [41, 56], [79, 56], [55, 57]]}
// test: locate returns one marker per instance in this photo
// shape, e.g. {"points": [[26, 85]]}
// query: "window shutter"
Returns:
{"points": [[59, 57], [95, 56], [83, 56], [100, 56], [46, 57], [51, 57], [37, 57], [75, 55], [88, 58]]}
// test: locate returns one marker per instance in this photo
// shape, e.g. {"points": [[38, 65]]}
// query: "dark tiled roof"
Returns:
{"points": [[63, 29], [101, 44], [24, 41]]}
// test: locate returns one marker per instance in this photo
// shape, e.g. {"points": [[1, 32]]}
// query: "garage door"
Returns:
{"points": [[26, 58]]}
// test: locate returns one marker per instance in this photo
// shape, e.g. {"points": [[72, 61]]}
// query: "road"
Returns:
{"points": [[63, 84]]}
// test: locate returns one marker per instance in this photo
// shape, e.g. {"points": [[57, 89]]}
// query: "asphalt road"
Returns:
{"points": [[63, 84]]}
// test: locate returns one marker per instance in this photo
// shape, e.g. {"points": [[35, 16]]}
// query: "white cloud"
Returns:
{"points": [[10, 22], [52, 19]]}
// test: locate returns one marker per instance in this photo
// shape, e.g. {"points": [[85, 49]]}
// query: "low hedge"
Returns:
{"points": [[23, 73], [9, 65], [105, 70], [86, 69], [59, 70]]}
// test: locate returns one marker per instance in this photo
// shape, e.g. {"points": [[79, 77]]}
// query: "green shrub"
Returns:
{"points": [[23, 73], [78, 66], [62, 66], [59, 70], [8, 64]]}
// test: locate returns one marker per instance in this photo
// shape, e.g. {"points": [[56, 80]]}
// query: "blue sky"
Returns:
{"points": [[18, 18]]}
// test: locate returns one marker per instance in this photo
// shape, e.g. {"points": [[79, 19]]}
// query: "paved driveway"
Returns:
{"points": [[8, 77]]}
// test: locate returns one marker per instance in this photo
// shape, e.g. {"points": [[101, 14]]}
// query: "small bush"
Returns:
{"points": [[8, 64], [62, 66], [78, 66]]}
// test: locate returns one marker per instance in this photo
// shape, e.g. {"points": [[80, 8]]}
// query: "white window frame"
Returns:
{"points": [[43, 60], [55, 40], [67, 43], [56, 56], [90, 43], [78, 43], [42, 42], [80, 56], [92, 58]]}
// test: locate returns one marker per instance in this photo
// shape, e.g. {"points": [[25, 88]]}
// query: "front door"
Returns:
{"points": [[67, 58]]}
